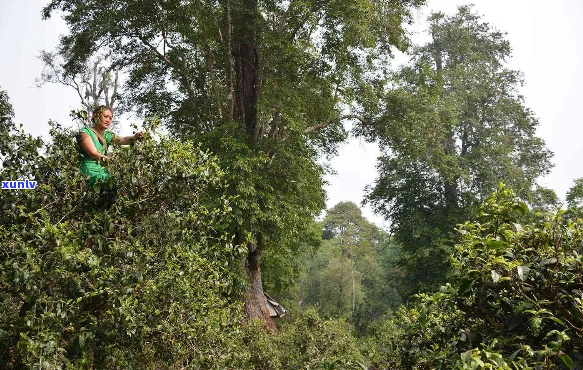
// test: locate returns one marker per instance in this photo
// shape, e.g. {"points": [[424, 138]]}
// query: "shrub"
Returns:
{"points": [[306, 342], [515, 300], [151, 283]]}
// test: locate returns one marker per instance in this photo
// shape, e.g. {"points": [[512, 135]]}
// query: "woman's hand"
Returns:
{"points": [[139, 135], [126, 140]]}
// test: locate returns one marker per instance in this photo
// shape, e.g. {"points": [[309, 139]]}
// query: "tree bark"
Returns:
{"points": [[247, 68], [229, 60], [247, 90], [256, 303]]}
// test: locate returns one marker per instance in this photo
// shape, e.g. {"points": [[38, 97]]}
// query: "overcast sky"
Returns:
{"points": [[544, 36]]}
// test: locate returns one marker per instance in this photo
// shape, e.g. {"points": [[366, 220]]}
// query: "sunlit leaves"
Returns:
{"points": [[515, 290], [152, 280]]}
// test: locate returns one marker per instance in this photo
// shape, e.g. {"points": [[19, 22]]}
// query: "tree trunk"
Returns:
{"points": [[247, 90], [247, 68], [450, 186], [256, 303], [229, 60]]}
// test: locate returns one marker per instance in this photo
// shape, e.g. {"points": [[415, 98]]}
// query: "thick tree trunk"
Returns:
{"points": [[247, 67], [256, 303], [247, 90], [229, 60], [451, 194]]}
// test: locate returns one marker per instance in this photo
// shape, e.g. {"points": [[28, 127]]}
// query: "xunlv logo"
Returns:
{"points": [[21, 184]]}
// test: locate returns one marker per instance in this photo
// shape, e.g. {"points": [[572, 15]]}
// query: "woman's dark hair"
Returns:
{"points": [[98, 110]]}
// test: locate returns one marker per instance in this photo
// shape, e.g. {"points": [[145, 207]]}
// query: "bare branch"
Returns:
{"points": [[90, 84], [94, 85]]}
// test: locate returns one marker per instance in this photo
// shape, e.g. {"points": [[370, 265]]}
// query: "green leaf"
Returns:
{"points": [[465, 356], [556, 319], [465, 286], [522, 272], [549, 261], [521, 208], [423, 319], [496, 244], [568, 361]]}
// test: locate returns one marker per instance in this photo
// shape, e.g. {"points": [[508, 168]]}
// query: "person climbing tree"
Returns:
{"points": [[93, 144]]}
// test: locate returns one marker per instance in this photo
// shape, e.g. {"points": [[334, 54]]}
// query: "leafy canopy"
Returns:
{"points": [[453, 125], [264, 85]]}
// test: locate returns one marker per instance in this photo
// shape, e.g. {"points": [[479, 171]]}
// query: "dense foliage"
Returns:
{"points": [[263, 85], [254, 93], [453, 125], [306, 342], [350, 275], [152, 280], [515, 301]]}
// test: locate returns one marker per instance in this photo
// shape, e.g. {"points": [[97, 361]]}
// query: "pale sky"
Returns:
{"points": [[543, 35]]}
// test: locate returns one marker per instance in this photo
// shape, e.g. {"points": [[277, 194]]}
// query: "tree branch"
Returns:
{"points": [[337, 119], [181, 72], [315, 9], [114, 94]]}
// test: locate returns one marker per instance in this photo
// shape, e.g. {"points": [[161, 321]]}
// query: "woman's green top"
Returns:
{"points": [[90, 166]]}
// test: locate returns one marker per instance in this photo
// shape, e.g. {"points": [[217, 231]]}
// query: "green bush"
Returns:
{"points": [[515, 300], [306, 342], [423, 336], [154, 282]]}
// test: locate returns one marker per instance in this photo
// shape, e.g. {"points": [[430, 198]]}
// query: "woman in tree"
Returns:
{"points": [[93, 145]]}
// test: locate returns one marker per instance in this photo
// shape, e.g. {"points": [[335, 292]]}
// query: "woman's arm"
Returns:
{"points": [[125, 140], [89, 148]]}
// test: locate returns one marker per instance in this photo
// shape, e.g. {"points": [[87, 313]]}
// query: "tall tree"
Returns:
{"points": [[347, 276], [95, 82], [263, 84], [452, 125], [574, 199], [354, 237]]}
